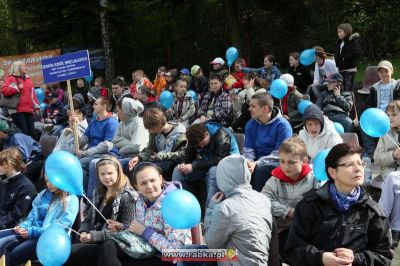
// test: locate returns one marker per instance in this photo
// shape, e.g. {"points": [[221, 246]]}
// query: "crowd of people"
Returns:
{"points": [[134, 151]]}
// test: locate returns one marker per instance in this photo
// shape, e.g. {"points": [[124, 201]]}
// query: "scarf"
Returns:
{"points": [[343, 202]]}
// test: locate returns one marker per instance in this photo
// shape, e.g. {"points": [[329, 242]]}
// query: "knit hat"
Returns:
{"points": [[4, 126], [94, 93], [131, 107], [313, 112], [194, 69]]}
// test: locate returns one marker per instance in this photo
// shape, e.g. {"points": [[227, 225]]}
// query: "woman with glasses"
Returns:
{"points": [[339, 224]]}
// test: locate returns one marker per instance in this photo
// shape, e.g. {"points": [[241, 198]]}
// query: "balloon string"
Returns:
{"points": [[68, 228], [102, 216], [395, 143]]}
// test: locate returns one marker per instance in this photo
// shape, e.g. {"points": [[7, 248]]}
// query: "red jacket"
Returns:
{"points": [[27, 100]]}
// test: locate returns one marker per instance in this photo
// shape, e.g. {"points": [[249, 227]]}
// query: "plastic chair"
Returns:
{"points": [[47, 142], [351, 139]]}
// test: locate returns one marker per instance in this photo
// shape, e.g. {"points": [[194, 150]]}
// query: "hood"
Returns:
{"points": [[178, 128], [94, 93], [276, 113], [328, 127], [131, 108], [233, 175], [354, 35], [313, 112], [213, 127], [78, 97], [278, 173]]}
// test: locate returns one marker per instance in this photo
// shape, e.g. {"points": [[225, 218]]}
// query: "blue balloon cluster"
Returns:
{"points": [[180, 209], [339, 128], [375, 122], [231, 55], [319, 165], [307, 57], [65, 172], [166, 99], [302, 106], [54, 246], [40, 95], [193, 94], [279, 88]]}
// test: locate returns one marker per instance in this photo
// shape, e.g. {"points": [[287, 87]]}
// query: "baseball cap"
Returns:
{"points": [[4, 127], [194, 69], [52, 95], [335, 77], [385, 64], [185, 71], [217, 60]]}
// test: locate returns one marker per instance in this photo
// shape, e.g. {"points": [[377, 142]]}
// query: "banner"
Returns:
{"points": [[32, 61], [66, 67]]}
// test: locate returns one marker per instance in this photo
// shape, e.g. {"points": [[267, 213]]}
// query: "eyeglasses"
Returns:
{"points": [[351, 164]]}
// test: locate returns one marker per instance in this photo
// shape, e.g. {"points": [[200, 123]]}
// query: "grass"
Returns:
{"points": [[365, 63]]}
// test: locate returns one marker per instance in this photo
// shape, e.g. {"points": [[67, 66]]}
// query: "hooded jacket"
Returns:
{"points": [[46, 212], [285, 194], [321, 72], [18, 195], [55, 113], [290, 103], [243, 220], [374, 97], [222, 143], [261, 139], [131, 137], [158, 233], [318, 226], [221, 105], [383, 156], [81, 105], [328, 102], [347, 57], [169, 147], [188, 109], [29, 148], [328, 136]]}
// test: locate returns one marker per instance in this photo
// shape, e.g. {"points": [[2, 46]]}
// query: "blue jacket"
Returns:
{"points": [[101, 130], [28, 147], [45, 212], [269, 74], [261, 139]]}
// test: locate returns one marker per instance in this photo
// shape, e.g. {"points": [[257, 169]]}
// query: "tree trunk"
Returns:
{"points": [[106, 39], [234, 24]]}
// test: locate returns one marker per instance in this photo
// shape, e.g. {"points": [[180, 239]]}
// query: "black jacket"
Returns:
{"points": [[328, 102], [114, 100], [319, 227], [373, 100], [351, 52], [16, 200], [302, 77]]}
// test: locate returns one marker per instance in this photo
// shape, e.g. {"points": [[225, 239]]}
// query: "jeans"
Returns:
{"points": [[343, 119], [16, 249], [261, 175], [348, 80], [25, 122], [369, 143], [210, 175]]}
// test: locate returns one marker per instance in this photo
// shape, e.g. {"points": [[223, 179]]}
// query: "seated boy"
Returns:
{"points": [[167, 143], [207, 144], [289, 181], [319, 132], [55, 114]]}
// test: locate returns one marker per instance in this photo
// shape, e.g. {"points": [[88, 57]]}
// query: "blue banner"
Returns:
{"points": [[66, 67]]}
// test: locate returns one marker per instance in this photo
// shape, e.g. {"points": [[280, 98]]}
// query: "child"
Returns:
{"points": [[18, 189], [139, 78], [318, 131], [387, 153], [99, 86], [55, 88], [184, 74], [149, 223], [269, 72], [55, 113], [291, 101], [159, 81], [50, 206], [300, 73], [238, 76], [183, 109], [199, 82], [66, 141], [288, 183], [81, 88], [242, 220], [115, 198], [219, 68], [167, 143]]}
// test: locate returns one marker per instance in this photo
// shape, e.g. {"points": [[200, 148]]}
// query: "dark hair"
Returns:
{"points": [[118, 82], [264, 99], [195, 134], [215, 77], [105, 101], [153, 118], [271, 58], [140, 167], [295, 55], [347, 28], [337, 152]]}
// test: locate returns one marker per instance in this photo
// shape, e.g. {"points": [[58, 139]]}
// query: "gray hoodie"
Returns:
{"points": [[243, 220]]}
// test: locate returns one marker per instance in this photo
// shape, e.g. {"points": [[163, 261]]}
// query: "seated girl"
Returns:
{"points": [[52, 205]]}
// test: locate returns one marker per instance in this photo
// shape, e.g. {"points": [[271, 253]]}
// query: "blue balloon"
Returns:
{"points": [[307, 57], [231, 55], [193, 94], [180, 209], [302, 106], [319, 165], [279, 88], [375, 122], [166, 99], [339, 128], [65, 172], [43, 107], [40, 95], [54, 246], [89, 78]]}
